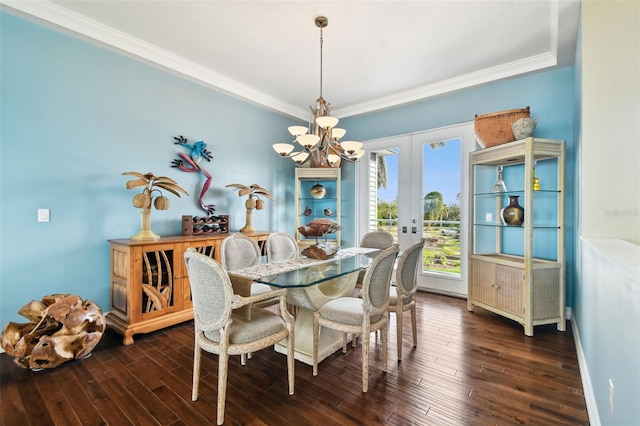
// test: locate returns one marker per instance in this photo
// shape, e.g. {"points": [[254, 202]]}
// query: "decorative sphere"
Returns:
{"points": [[318, 191]]}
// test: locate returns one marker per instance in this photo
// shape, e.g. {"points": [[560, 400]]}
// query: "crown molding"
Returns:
{"points": [[511, 69], [487, 75], [95, 32]]}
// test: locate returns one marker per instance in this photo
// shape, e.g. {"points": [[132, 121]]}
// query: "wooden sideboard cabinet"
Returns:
{"points": [[149, 283]]}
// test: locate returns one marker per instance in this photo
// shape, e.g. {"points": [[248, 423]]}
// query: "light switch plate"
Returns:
{"points": [[488, 217], [43, 215]]}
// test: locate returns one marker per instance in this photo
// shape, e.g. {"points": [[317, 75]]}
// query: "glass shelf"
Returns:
{"points": [[541, 191], [498, 225], [318, 199]]}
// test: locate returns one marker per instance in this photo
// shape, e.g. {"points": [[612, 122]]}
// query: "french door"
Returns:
{"points": [[415, 185]]}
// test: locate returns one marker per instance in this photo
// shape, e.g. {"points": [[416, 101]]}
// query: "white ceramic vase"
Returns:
{"points": [[524, 127]]}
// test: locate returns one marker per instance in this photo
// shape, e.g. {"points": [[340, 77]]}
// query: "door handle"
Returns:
{"points": [[414, 230], [404, 229]]}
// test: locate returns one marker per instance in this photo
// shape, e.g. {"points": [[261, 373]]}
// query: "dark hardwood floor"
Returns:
{"points": [[469, 368]]}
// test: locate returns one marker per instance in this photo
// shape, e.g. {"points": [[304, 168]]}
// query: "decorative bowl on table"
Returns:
{"points": [[321, 251]]}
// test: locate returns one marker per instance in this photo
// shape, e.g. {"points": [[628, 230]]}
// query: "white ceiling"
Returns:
{"points": [[377, 54]]}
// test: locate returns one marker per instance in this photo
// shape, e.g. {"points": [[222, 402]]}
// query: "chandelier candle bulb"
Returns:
{"points": [[283, 149], [337, 133], [297, 130], [300, 157], [351, 147], [333, 159], [327, 122], [308, 141]]}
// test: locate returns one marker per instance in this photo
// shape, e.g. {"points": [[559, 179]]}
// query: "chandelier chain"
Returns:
{"points": [[321, 40], [320, 146]]}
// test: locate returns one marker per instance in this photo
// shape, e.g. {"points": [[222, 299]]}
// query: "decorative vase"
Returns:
{"points": [[318, 191], [513, 213], [145, 232], [248, 228], [524, 127]]}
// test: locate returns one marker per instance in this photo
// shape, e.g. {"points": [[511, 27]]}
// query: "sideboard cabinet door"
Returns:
{"points": [[150, 287]]}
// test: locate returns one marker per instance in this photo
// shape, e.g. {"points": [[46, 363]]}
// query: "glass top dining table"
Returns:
{"points": [[310, 284], [294, 270]]}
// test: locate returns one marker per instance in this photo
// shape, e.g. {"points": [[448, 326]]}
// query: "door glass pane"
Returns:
{"points": [[441, 206], [383, 214]]}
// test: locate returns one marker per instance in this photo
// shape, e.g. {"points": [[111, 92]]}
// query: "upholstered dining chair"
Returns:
{"points": [[374, 239], [361, 315], [238, 251], [219, 330], [377, 239], [281, 246], [402, 296]]}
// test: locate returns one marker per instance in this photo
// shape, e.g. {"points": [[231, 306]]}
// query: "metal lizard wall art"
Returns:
{"points": [[191, 163]]}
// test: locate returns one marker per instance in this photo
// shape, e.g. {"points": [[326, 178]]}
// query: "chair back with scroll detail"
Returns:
{"points": [[403, 295], [361, 316], [220, 330], [377, 239], [281, 246], [238, 251], [374, 239]]}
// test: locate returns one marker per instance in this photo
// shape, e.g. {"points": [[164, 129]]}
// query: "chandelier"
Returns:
{"points": [[319, 143]]}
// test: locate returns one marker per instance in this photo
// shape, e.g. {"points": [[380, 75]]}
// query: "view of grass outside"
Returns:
{"points": [[441, 202], [442, 246], [441, 252]]}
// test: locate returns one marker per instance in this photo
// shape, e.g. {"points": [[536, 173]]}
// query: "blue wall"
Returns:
{"points": [[550, 96], [605, 306], [75, 116]]}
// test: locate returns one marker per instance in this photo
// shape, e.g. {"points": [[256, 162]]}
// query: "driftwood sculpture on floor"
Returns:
{"points": [[62, 327]]}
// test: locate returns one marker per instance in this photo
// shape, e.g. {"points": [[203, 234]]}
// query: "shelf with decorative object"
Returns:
{"points": [[516, 260], [317, 198], [149, 284]]}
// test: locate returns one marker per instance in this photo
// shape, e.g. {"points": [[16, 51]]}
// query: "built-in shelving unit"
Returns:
{"points": [[309, 208]]}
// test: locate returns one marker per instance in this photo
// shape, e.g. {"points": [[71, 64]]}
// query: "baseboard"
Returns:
{"points": [[442, 292], [587, 387]]}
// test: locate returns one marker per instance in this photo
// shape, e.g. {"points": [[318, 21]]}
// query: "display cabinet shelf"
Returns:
{"points": [[310, 208], [518, 271]]}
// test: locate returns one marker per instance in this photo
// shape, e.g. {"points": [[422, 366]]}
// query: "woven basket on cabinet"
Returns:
{"points": [[495, 128]]}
